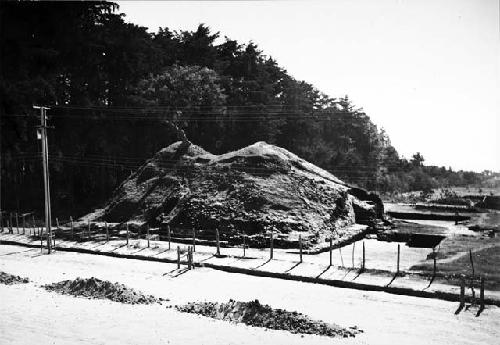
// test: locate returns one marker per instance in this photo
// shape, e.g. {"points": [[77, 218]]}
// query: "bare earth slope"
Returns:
{"points": [[249, 191]]}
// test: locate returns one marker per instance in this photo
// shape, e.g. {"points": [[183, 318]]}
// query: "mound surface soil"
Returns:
{"points": [[9, 279], [250, 191], [259, 315], [101, 289]]}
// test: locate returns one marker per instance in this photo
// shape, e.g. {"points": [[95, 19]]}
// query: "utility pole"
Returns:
{"points": [[45, 159]]}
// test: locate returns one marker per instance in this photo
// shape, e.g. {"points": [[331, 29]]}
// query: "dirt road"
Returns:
{"points": [[31, 315]]}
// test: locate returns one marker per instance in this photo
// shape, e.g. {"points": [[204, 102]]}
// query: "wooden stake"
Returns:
{"points": [[34, 223], [190, 253], [397, 268], [300, 248], [127, 234], [462, 292], [244, 245], [363, 266], [341, 258], [107, 231], [17, 223], [11, 224], [169, 235], [473, 278], [217, 240], [435, 265], [194, 240], [178, 257], [88, 228], [481, 294], [72, 228], [57, 222], [353, 246], [147, 233], [271, 245], [331, 245], [24, 224]]}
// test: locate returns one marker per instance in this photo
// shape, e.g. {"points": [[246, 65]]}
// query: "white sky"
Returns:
{"points": [[428, 72]]}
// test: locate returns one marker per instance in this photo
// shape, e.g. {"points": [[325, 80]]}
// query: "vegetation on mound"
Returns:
{"points": [[10, 279], [259, 315], [102, 289]]}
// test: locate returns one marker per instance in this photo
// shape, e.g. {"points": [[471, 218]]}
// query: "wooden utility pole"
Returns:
{"points": [[46, 182]]}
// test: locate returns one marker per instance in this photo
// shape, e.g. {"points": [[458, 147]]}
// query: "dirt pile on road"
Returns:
{"points": [[10, 279], [258, 315], [101, 289], [253, 191]]}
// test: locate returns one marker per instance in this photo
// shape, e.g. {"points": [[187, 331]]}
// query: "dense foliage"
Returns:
{"points": [[118, 94]]}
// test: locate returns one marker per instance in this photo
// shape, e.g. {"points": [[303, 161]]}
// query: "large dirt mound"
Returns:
{"points": [[259, 315], [9, 279], [249, 191], [101, 289]]}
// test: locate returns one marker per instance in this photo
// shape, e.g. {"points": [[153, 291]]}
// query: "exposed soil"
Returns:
{"points": [[258, 315], [10, 279], [102, 289], [252, 191]]}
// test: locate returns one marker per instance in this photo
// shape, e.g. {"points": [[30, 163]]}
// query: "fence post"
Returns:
{"points": [[397, 268], [481, 294], [353, 246], [435, 265], [24, 224], [178, 257], [341, 258], [88, 229], [300, 247], [72, 228], [107, 231], [244, 245], [271, 245], [34, 224], [189, 257], [11, 224], [127, 234], [17, 223], [331, 245], [194, 240], [169, 235], [363, 267], [147, 233], [462, 293], [472, 279], [217, 239]]}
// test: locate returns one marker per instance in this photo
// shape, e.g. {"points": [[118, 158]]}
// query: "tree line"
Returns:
{"points": [[115, 90]]}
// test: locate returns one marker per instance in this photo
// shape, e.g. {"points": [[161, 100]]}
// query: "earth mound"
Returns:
{"points": [[258, 315], [250, 191], [101, 289], [10, 279]]}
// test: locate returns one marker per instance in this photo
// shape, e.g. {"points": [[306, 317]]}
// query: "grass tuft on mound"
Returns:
{"points": [[259, 315], [102, 289]]}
